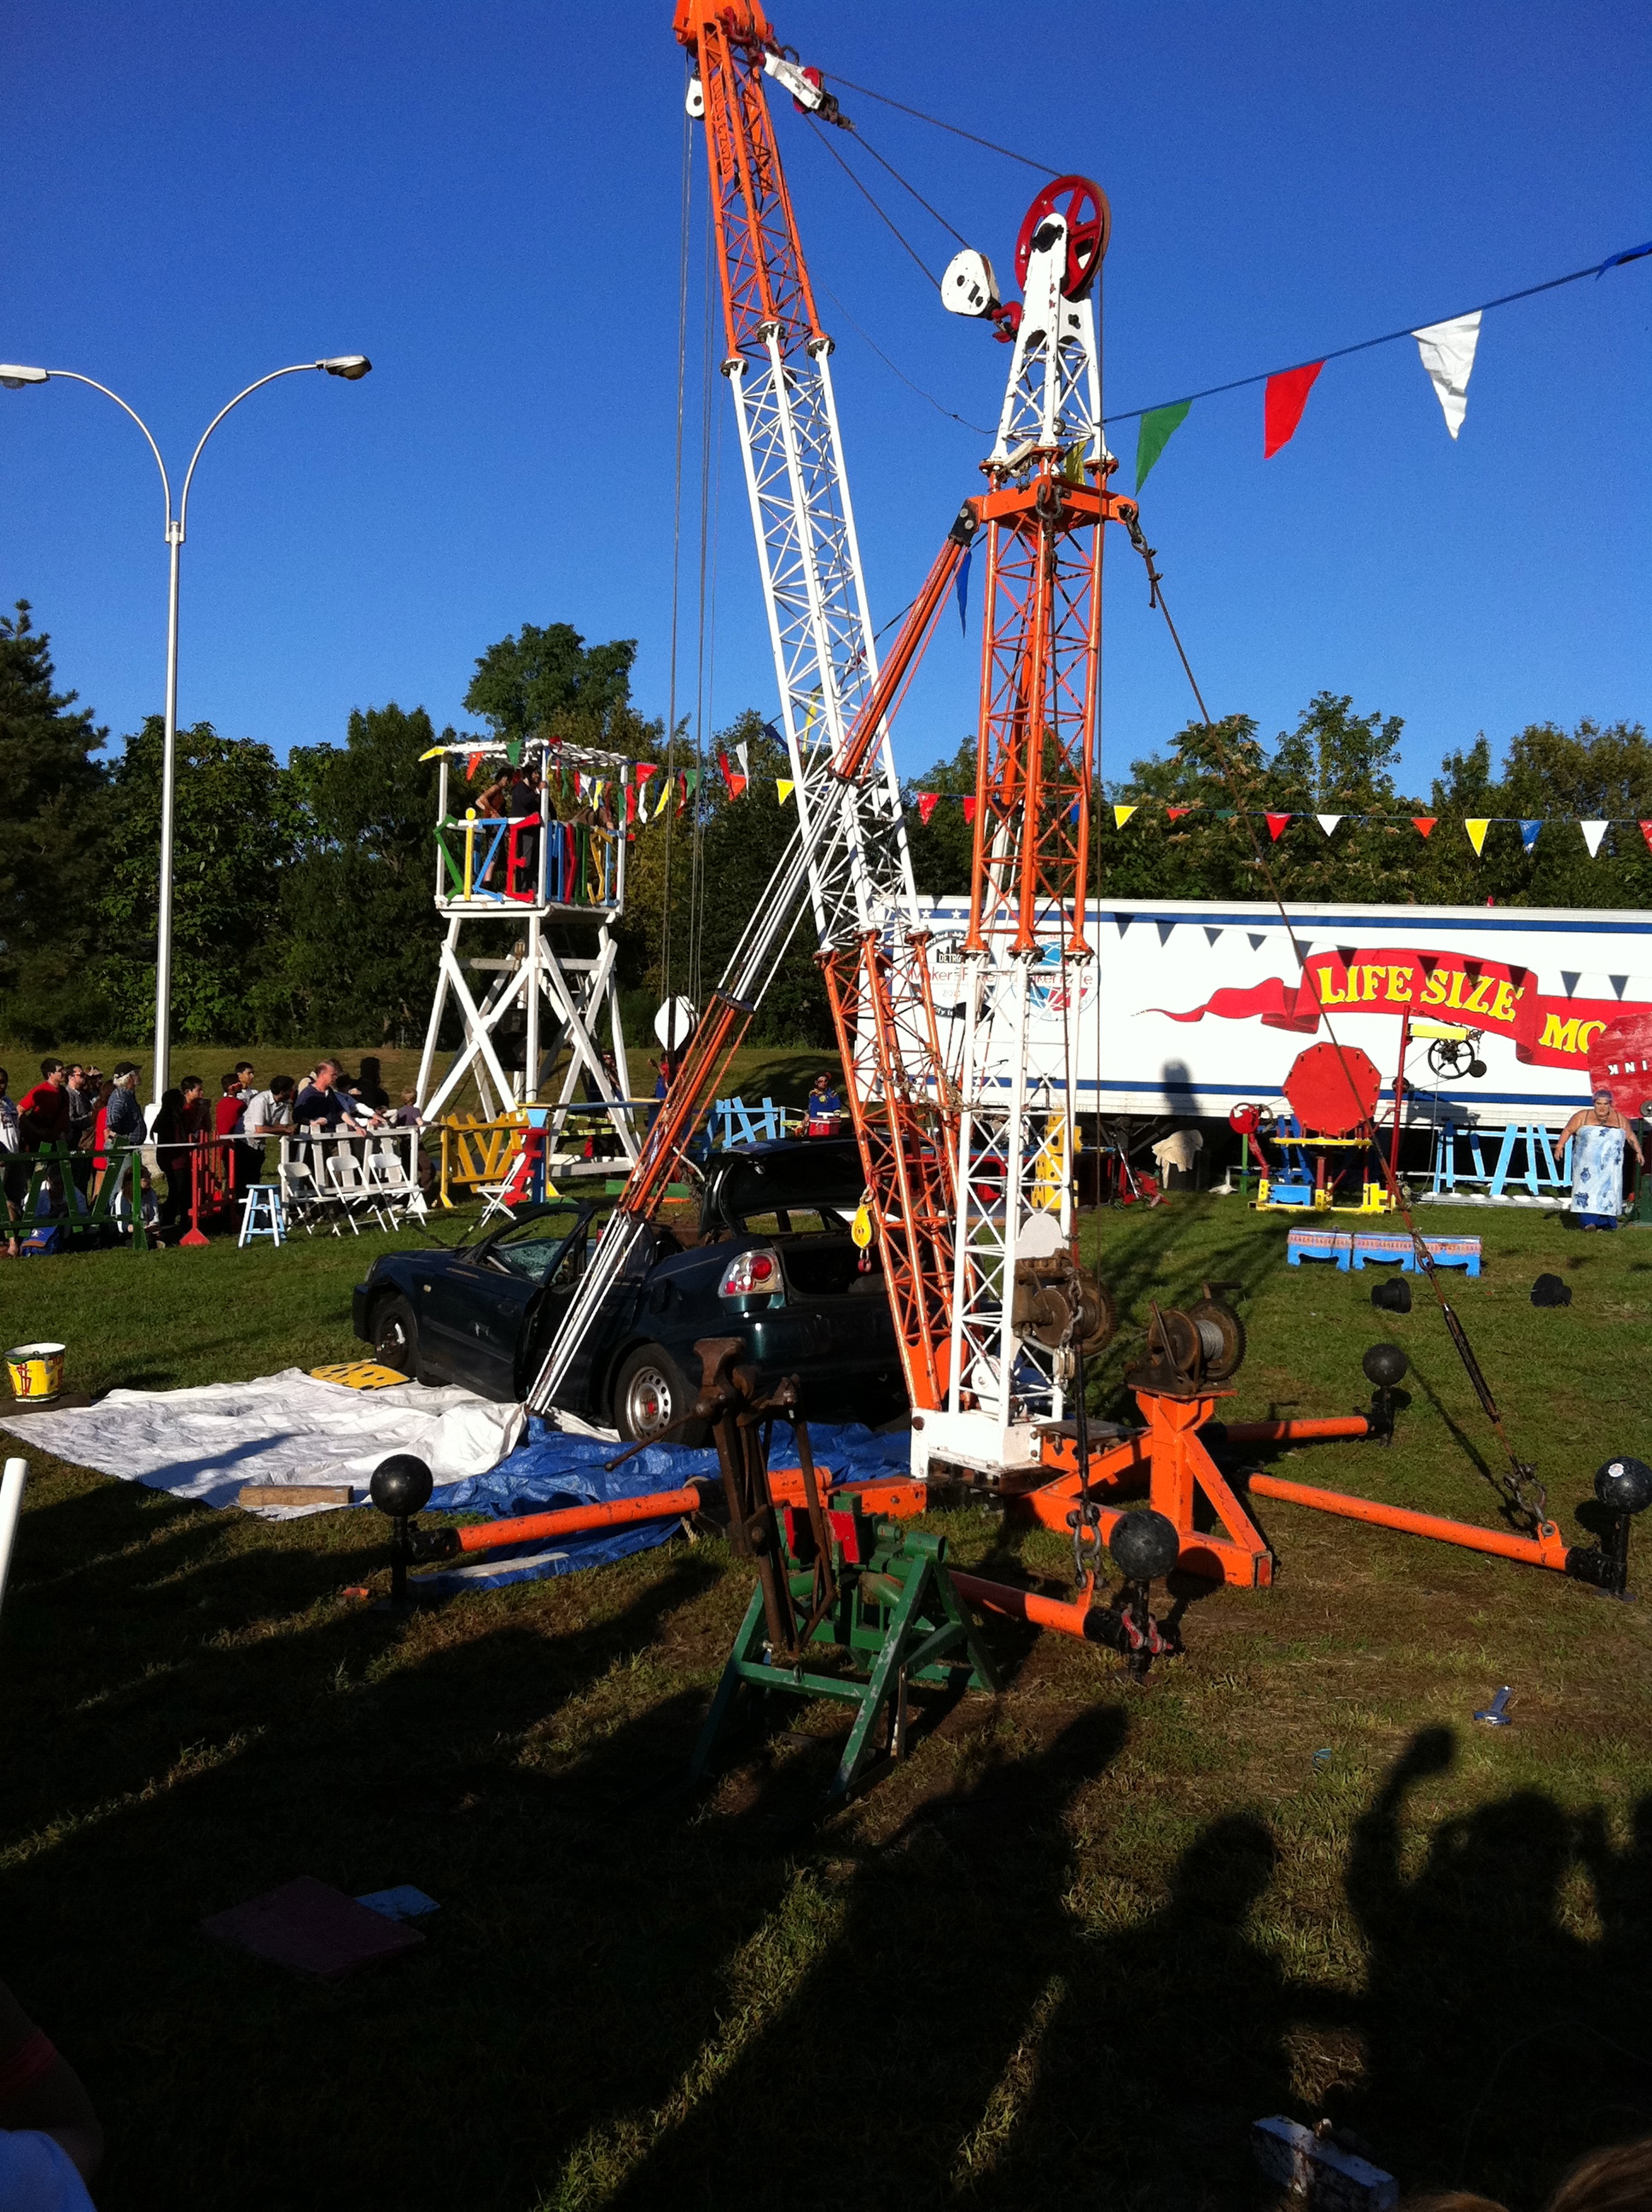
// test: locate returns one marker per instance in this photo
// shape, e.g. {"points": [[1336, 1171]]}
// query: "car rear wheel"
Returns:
{"points": [[396, 1337], [651, 1395]]}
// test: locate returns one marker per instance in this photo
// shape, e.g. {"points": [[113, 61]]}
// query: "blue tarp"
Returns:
{"points": [[553, 1470]]}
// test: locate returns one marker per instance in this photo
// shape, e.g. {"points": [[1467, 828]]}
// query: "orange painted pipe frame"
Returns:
{"points": [[900, 1500], [1548, 1548], [1297, 1433], [1070, 1616], [571, 1520]]}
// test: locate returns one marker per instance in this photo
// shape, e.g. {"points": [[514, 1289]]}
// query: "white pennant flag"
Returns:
{"points": [[745, 753], [1593, 833], [1327, 822], [1447, 351]]}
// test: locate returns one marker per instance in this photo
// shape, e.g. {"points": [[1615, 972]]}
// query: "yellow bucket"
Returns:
{"points": [[35, 1370]]}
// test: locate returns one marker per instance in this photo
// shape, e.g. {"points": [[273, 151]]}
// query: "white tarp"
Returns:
{"points": [[204, 1443]]}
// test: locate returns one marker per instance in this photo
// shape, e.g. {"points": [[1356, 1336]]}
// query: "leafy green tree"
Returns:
{"points": [[358, 929], [943, 849], [52, 822], [1590, 773], [550, 681], [722, 855], [233, 829]]}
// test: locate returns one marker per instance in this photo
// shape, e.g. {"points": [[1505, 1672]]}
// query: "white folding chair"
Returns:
{"points": [[354, 1196], [388, 1174], [303, 1198]]}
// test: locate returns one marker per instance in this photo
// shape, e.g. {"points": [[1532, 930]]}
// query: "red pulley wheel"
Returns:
{"points": [[1084, 206]]}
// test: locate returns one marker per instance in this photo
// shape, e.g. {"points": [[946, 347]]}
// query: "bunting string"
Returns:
{"points": [[677, 793], [1446, 349]]}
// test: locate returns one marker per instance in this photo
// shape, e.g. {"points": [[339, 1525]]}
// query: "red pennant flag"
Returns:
{"points": [[472, 762], [1423, 824], [1646, 832], [1282, 405], [732, 776], [645, 770], [1276, 823], [927, 802], [969, 808], [630, 802], [1175, 813]]}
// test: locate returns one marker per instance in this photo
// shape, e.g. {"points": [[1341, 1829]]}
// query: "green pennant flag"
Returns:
{"points": [[1158, 425]]}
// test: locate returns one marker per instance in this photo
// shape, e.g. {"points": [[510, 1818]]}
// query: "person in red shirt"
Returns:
{"points": [[43, 1120], [227, 1172], [42, 1113]]}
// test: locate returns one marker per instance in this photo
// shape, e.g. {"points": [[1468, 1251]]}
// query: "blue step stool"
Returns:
{"points": [[261, 1214], [1333, 1244]]}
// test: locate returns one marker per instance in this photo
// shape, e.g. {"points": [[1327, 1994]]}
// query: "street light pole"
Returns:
{"points": [[352, 367]]}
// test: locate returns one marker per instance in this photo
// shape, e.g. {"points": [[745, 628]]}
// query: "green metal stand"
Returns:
{"points": [[896, 1608]]}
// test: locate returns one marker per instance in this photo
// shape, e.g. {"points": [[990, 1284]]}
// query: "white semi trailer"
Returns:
{"points": [[1190, 1008]]}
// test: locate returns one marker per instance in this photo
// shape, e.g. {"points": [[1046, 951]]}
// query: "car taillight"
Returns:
{"points": [[754, 1274]]}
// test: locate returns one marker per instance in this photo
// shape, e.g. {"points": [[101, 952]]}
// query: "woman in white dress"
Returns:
{"points": [[1597, 1135]]}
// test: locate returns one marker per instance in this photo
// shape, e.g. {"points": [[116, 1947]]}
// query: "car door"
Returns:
{"points": [[490, 1294]]}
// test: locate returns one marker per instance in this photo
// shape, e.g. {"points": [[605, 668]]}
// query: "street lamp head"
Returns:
{"points": [[15, 377], [352, 367]]}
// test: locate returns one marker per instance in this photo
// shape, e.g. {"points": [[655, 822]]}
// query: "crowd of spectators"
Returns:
{"points": [[96, 1117]]}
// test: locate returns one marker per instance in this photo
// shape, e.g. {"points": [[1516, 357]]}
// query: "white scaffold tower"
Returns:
{"points": [[560, 883]]}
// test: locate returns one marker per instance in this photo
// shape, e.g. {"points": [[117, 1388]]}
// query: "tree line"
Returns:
{"points": [[303, 906]]}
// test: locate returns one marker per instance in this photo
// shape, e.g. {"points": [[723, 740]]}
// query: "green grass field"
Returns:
{"points": [[1070, 1949]]}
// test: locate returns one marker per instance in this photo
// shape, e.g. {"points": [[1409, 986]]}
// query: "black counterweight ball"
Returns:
{"points": [[1144, 1545], [401, 1485], [1625, 1485], [1385, 1364]]}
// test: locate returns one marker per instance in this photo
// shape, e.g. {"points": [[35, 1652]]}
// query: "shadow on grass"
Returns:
{"points": [[963, 1991]]}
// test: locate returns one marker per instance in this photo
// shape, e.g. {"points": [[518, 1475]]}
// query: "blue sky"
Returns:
{"points": [[487, 202]]}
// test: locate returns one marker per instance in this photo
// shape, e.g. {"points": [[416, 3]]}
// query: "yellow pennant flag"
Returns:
{"points": [[1122, 815], [785, 787], [665, 796], [1477, 829]]}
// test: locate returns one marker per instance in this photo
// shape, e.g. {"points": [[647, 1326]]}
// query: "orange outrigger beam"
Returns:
{"points": [[1171, 1461]]}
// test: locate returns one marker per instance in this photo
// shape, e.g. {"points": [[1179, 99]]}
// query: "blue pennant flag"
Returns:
{"points": [[1528, 834], [963, 588], [1635, 254], [770, 730]]}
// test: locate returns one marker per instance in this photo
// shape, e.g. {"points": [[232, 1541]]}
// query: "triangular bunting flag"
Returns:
{"points": [[1477, 828], [1175, 813], [1619, 985], [964, 587], [744, 754], [664, 799], [1568, 981], [630, 802], [1123, 921], [785, 785], [1447, 351], [1122, 815], [1593, 833], [731, 775], [1528, 834], [1164, 929], [1423, 824], [1276, 824], [970, 806], [771, 731], [472, 763], [1646, 832], [1282, 401], [1212, 934], [1256, 942], [645, 770], [1158, 426], [1327, 822], [927, 802]]}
